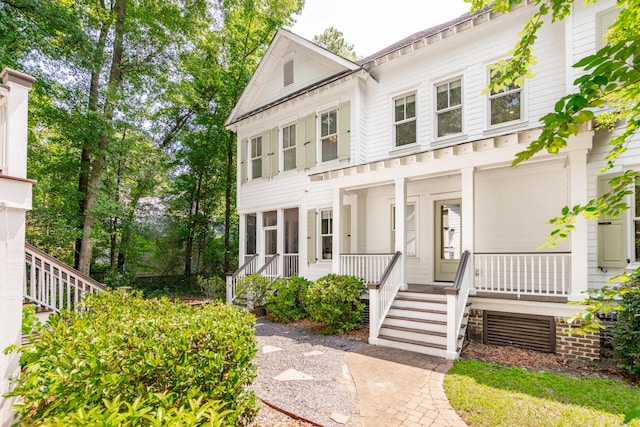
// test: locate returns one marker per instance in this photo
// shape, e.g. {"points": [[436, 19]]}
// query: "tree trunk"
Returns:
{"points": [[95, 176], [195, 210]]}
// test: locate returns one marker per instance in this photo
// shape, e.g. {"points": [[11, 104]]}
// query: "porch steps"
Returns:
{"points": [[417, 321]]}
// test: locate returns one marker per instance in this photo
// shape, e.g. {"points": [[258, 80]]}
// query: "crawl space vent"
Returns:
{"points": [[520, 330]]}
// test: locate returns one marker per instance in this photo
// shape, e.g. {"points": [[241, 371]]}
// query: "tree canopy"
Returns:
{"points": [[333, 40]]}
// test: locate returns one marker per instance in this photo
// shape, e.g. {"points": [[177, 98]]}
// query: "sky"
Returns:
{"points": [[371, 25]]}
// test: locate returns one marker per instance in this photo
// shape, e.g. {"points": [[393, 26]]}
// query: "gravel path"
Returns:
{"points": [[306, 374]]}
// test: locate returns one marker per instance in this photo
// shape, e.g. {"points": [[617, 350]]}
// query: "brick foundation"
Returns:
{"points": [[574, 346], [571, 346]]}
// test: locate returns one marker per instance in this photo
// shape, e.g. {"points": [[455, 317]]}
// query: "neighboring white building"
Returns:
{"points": [[342, 164], [15, 200]]}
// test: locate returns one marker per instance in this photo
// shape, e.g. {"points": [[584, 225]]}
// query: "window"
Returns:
{"points": [[289, 147], [449, 108], [270, 227], [505, 105], [326, 234], [291, 231], [251, 234], [256, 157], [410, 228], [405, 120], [329, 135], [287, 73]]}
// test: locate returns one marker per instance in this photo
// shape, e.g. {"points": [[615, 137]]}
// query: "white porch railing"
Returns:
{"points": [[290, 265], [382, 291], [368, 267], [249, 266], [523, 273], [457, 297], [270, 267], [52, 284]]}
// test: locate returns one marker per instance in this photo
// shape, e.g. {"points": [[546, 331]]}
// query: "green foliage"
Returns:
{"points": [[30, 322], [254, 290], [333, 39], [335, 301], [493, 395], [213, 287], [129, 357], [288, 302], [626, 332]]}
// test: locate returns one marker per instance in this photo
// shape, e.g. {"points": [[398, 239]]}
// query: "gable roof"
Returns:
{"points": [[285, 36]]}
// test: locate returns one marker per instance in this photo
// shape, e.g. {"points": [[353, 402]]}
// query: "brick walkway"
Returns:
{"points": [[400, 388]]}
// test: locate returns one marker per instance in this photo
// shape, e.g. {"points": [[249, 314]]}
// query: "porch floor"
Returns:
{"points": [[438, 289]]}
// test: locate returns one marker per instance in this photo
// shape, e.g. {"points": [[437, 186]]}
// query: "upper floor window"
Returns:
{"points": [[329, 135], [505, 105], [256, 157], [449, 108], [287, 73], [289, 147], [405, 120]]}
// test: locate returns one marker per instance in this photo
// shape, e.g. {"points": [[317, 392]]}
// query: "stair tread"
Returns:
{"points": [[414, 342], [408, 298], [413, 319], [424, 310], [414, 330]]}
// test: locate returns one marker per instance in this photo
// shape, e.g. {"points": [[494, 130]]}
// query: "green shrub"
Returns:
{"points": [[288, 301], [166, 354], [626, 332], [335, 301], [213, 287], [254, 290], [30, 322]]}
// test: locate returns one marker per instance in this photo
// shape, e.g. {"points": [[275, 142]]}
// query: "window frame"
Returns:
{"points": [[508, 91], [330, 137], [255, 158], [292, 128], [405, 120], [328, 235], [449, 108], [272, 229], [413, 203]]}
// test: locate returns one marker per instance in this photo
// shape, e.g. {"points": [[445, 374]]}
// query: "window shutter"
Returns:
{"points": [[243, 160], [310, 141], [344, 131], [301, 137], [266, 149], [311, 236], [611, 234], [273, 153]]}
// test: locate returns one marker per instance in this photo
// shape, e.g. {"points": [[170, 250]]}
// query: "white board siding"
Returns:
{"points": [[512, 206]]}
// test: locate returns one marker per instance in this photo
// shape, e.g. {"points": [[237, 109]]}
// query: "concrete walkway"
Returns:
{"points": [[336, 382]]}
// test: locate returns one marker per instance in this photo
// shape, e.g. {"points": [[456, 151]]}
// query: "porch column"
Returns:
{"points": [[468, 210], [242, 237], [578, 195], [280, 240], [260, 239], [401, 229], [337, 229]]}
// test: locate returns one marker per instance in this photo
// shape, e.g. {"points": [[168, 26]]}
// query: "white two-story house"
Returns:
{"points": [[396, 168]]}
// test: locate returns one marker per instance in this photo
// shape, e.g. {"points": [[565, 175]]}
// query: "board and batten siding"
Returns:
{"points": [[513, 205]]}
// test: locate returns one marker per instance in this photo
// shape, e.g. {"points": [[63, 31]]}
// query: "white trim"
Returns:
{"points": [[435, 136], [395, 123]]}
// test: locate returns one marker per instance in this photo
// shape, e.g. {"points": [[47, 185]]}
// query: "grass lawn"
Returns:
{"points": [[485, 394]]}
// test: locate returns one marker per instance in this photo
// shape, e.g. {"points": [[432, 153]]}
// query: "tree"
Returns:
{"points": [[333, 40]]}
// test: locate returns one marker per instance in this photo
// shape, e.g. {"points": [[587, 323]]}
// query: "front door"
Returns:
{"points": [[448, 239]]}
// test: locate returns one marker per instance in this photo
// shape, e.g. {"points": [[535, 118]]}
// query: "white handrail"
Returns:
{"points": [[381, 296], [368, 267], [249, 266], [457, 297], [51, 284]]}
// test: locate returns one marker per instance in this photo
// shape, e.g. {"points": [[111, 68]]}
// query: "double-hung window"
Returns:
{"points": [[289, 147], [256, 157], [329, 135], [326, 234], [449, 108], [405, 120], [505, 105]]}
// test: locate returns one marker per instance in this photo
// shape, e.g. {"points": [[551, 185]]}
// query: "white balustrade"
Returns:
{"points": [[290, 265], [457, 297], [523, 273], [368, 267], [52, 284], [3, 131], [250, 266]]}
